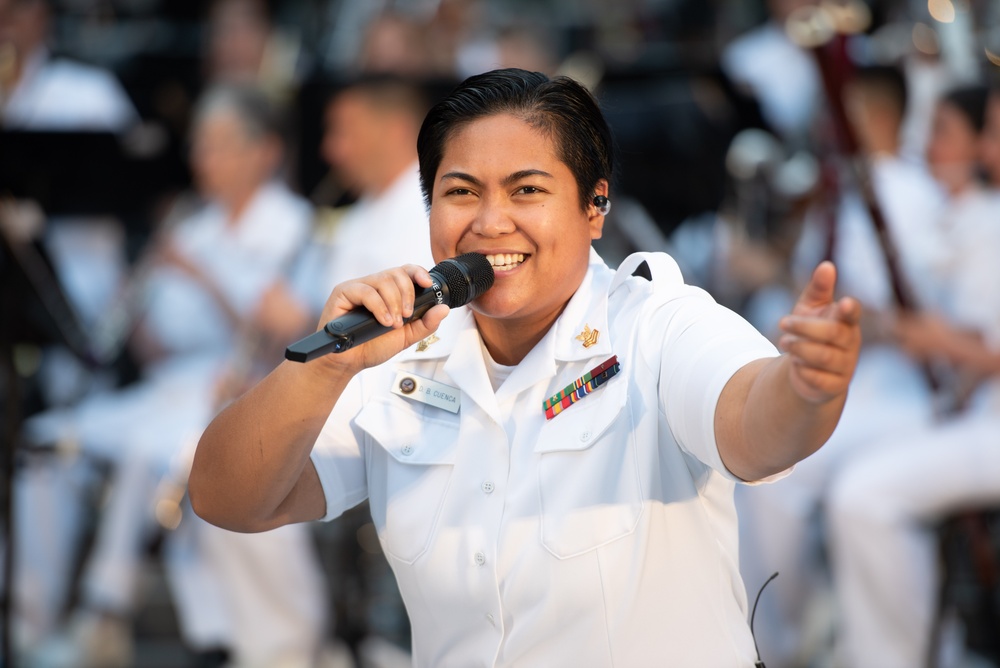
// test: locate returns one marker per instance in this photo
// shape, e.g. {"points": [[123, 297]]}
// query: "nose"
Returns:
{"points": [[492, 220]]}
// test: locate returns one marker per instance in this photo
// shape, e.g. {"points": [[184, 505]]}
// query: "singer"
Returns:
{"points": [[551, 467]]}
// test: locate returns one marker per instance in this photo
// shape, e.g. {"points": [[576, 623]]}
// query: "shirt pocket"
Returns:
{"points": [[409, 473], [588, 478]]}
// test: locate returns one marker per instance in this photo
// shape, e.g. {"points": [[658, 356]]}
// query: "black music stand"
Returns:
{"points": [[66, 173], [35, 311]]}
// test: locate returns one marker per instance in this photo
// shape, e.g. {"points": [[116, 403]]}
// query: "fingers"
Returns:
{"points": [[819, 372], [820, 290], [823, 347], [849, 311], [414, 275], [819, 356], [383, 295], [839, 329], [418, 275], [427, 325], [397, 293], [389, 295]]}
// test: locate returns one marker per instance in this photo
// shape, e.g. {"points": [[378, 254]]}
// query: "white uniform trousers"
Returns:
{"points": [[275, 593], [883, 511], [782, 524]]}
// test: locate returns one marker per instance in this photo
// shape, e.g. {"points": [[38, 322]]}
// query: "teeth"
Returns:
{"points": [[505, 261]]}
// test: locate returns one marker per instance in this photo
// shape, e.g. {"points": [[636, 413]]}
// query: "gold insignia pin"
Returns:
{"points": [[588, 336], [426, 343]]}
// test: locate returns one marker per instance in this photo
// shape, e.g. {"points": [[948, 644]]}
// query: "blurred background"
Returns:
{"points": [[182, 183]]}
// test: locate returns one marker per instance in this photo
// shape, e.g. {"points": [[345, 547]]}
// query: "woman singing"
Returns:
{"points": [[558, 489]]}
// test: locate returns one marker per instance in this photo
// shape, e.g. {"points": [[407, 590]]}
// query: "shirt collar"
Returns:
{"points": [[442, 343], [587, 309]]}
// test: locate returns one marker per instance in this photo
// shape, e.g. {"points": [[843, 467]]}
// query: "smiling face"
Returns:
{"points": [[502, 191]]}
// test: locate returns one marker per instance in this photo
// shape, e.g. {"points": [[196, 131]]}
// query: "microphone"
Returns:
{"points": [[455, 282]]}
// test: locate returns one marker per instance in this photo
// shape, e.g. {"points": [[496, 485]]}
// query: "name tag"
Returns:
{"points": [[427, 391]]}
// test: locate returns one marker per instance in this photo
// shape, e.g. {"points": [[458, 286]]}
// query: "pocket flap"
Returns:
{"points": [[580, 425], [407, 434]]}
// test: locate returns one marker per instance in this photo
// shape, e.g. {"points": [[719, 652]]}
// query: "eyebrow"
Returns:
{"points": [[507, 180]]}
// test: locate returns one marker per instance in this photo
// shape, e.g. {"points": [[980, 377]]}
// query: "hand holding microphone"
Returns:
{"points": [[453, 282]]}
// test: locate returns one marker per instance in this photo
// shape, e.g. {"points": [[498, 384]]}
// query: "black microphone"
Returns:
{"points": [[455, 282]]}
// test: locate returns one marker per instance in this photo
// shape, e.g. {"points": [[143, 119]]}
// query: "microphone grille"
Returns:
{"points": [[467, 276]]}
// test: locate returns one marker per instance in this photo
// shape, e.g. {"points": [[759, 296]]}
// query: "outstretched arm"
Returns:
{"points": [[774, 412], [252, 470]]}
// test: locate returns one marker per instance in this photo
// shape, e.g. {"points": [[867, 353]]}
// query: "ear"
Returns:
{"points": [[595, 218]]}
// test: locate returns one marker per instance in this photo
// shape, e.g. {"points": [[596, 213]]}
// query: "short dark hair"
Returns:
{"points": [[971, 102], [386, 92], [560, 107], [886, 82]]}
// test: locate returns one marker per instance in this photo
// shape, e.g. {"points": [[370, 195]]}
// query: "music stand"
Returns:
{"points": [[66, 173]]}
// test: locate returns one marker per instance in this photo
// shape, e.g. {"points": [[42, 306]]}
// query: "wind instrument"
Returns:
{"points": [[824, 29]]}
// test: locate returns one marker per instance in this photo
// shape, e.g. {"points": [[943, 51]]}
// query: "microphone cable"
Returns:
{"points": [[753, 613]]}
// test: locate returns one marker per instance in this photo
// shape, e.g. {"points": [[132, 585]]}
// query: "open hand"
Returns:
{"points": [[822, 336]]}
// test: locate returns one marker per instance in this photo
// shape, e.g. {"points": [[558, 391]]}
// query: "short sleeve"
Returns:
{"points": [[704, 345], [338, 454]]}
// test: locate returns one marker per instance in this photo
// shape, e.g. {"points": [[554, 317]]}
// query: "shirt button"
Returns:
{"points": [[491, 619], [407, 450], [480, 558], [488, 487], [585, 436]]}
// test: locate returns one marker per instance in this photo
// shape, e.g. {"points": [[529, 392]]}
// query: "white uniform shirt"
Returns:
{"points": [[967, 270], [605, 536], [241, 260], [912, 204], [66, 95], [376, 233], [968, 274]]}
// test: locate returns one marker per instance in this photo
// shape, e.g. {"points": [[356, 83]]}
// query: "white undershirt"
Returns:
{"points": [[497, 372]]}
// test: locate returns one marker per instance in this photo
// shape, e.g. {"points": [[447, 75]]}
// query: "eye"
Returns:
{"points": [[459, 191], [527, 190]]}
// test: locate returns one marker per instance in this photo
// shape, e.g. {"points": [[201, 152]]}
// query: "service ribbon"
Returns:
{"points": [[580, 387]]}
